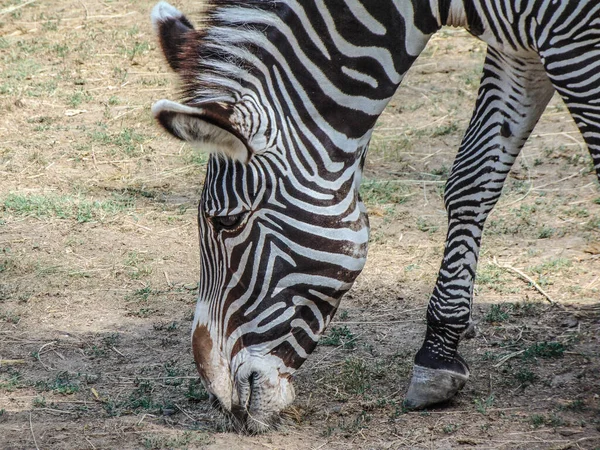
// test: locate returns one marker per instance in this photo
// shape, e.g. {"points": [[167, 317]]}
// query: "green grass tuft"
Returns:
{"points": [[377, 192], [545, 350], [498, 313], [339, 336], [64, 207]]}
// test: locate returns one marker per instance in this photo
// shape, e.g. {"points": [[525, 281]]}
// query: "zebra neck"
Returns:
{"points": [[343, 62], [324, 68]]}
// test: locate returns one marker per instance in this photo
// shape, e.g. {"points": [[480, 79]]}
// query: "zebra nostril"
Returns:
{"points": [[246, 387], [252, 379]]}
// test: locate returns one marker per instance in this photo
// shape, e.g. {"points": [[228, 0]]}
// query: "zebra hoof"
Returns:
{"points": [[431, 386]]}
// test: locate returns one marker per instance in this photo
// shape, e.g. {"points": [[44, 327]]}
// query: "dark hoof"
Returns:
{"points": [[431, 386]]}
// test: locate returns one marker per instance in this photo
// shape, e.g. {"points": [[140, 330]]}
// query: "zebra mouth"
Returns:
{"points": [[246, 416]]}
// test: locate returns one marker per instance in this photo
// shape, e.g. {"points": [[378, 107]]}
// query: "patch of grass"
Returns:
{"points": [[64, 207], [498, 313], [173, 373], [593, 224], [136, 268], [425, 226], [526, 308], [503, 227], [127, 140], [11, 380], [39, 401], [61, 50], [339, 336], [444, 130], [355, 376], [378, 192], [443, 172], [51, 25], [545, 232], [489, 356], [113, 100], [111, 340], [554, 265], [101, 349], [575, 405], [578, 211], [169, 326], [141, 397], [450, 428], [142, 294], [120, 74], [483, 404], [525, 376], [537, 420], [490, 274], [195, 155], [544, 350], [64, 383], [138, 48], [96, 351], [195, 391], [77, 98], [143, 312], [10, 317]]}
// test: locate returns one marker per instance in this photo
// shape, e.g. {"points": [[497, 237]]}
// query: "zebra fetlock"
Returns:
{"points": [[285, 95]]}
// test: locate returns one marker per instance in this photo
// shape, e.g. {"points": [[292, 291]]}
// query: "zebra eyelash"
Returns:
{"points": [[227, 223]]}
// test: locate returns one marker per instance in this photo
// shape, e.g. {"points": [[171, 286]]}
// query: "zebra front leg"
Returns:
{"points": [[512, 96]]}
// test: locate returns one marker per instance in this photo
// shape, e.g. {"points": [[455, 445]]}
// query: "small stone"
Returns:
{"points": [[569, 322], [567, 432], [562, 379], [168, 411]]}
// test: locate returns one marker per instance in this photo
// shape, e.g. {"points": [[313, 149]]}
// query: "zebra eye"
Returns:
{"points": [[227, 222]]}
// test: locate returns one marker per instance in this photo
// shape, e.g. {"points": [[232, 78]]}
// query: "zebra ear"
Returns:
{"points": [[208, 125], [174, 31]]}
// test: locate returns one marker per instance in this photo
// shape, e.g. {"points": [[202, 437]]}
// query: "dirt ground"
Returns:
{"points": [[99, 261]]}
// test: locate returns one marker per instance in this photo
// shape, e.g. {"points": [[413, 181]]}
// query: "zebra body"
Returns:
{"points": [[286, 95]]}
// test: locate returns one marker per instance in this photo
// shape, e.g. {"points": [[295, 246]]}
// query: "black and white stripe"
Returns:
{"points": [[297, 88]]}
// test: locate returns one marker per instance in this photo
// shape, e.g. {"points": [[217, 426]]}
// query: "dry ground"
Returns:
{"points": [[99, 261]]}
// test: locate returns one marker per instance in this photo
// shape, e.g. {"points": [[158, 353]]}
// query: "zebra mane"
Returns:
{"points": [[212, 68]]}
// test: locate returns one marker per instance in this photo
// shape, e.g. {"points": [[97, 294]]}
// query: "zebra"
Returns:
{"points": [[285, 94]]}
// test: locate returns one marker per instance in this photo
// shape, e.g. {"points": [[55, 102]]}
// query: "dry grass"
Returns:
{"points": [[99, 263]]}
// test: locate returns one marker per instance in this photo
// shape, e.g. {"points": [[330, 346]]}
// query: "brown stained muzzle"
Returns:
{"points": [[249, 390]]}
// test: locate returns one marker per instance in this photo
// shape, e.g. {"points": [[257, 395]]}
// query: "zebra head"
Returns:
{"points": [[283, 233]]}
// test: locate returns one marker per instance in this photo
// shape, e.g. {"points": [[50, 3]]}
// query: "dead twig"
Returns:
{"points": [[39, 355], [15, 7], [90, 442], [527, 278], [507, 357], [11, 362], [576, 174], [184, 412], [32, 433], [118, 352], [87, 13], [61, 411]]}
